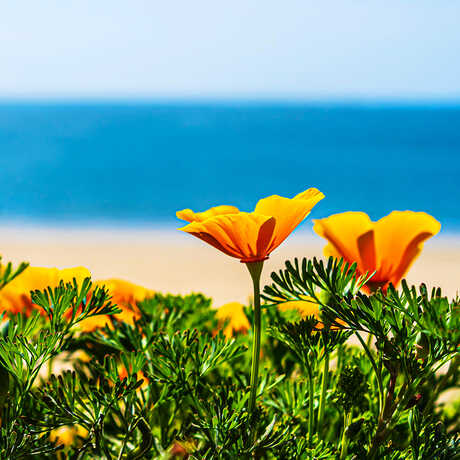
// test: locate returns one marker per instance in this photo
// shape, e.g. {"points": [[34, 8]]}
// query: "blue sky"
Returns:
{"points": [[299, 49]]}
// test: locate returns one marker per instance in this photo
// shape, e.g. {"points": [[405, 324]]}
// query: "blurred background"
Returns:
{"points": [[115, 114]]}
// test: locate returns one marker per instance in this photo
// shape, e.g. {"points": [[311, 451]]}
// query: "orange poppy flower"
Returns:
{"points": [[125, 295], [251, 237], [233, 315], [15, 296], [388, 246]]}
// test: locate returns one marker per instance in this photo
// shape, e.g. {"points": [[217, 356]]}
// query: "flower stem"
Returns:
{"points": [[376, 369], [255, 269], [50, 367], [369, 340], [346, 423], [322, 400], [311, 394]]}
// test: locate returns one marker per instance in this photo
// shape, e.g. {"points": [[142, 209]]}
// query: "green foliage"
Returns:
{"points": [[429, 439], [170, 385], [351, 391], [69, 304], [334, 280]]}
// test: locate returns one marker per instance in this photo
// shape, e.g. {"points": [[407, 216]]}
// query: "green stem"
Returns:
{"points": [[344, 446], [389, 415], [339, 359], [369, 340], [311, 393], [255, 269], [146, 443], [376, 369], [324, 383], [50, 367]]}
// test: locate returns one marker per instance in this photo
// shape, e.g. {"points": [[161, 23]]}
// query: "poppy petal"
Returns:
{"points": [[399, 239], [190, 216], [288, 212], [366, 248], [68, 274], [265, 236], [307, 307], [310, 194], [331, 251], [343, 231], [242, 235], [233, 313]]}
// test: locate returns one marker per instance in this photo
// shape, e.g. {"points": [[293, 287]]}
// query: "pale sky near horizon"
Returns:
{"points": [[299, 49]]}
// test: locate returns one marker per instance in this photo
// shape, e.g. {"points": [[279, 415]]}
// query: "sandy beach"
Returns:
{"points": [[168, 261]]}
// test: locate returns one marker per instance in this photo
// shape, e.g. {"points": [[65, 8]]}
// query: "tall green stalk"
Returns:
{"points": [[255, 269], [378, 375], [311, 412], [324, 383], [345, 440]]}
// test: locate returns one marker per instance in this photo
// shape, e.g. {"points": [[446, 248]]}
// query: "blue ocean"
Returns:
{"points": [[137, 163]]}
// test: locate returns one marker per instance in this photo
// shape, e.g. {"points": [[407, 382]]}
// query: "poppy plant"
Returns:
{"points": [[387, 247], [251, 237]]}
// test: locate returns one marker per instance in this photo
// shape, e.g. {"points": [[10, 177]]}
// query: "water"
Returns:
{"points": [[134, 164]]}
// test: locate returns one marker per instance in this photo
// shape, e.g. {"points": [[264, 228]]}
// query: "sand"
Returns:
{"points": [[166, 260]]}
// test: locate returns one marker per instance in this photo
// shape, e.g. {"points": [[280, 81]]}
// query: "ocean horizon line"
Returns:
{"points": [[345, 102]]}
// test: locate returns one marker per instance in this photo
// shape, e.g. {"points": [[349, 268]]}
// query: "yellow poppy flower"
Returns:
{"points": [[306, 307], [233, 315], [251, 237], [388, 246], [15, 296], [66, 435], [125, 295]]}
